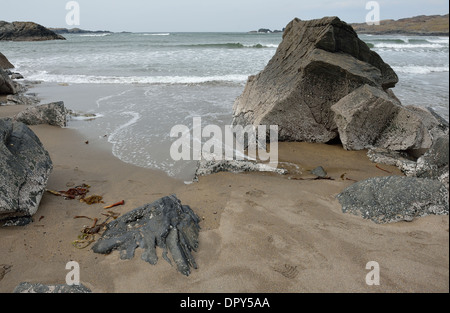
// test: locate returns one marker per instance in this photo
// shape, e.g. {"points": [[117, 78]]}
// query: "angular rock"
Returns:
{"points": [[7, 86], [434, 163], [52, 113], [4, 62], [26, 31], [395, 198], [25, 167], [370, 117], [319, 172], [165, 223], [318, 63], [41, 288]]}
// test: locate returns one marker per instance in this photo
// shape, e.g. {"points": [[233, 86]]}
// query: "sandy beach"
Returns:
{"points": [[260, 232]]}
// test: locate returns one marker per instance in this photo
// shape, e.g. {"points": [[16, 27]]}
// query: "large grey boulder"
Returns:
{"points": [[165, 223], [370, 117], [395, 198], [7, 86], [4, 62], [25, 167], [53, 113], [318, 63]]}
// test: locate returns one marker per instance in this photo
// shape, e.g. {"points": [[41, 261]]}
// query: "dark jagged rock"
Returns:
{"points": [[395, 198], [165, 223], [26, 31], [41, 288], [4, 63], [318, 63], [25, 167]]}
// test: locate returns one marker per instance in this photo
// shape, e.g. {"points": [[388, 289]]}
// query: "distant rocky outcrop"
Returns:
{"points": [[433, 25], [4, 62], [26, 31], [78, 31], [317, 64], [25, 167], [266, 31]]}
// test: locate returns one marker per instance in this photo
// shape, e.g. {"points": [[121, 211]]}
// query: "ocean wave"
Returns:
{"points": [[408, 45], [156, 34], [414, 69], [95, 35], [231, 45], [88, 79]]}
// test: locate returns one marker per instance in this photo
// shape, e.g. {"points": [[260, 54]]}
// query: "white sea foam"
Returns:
{"points": [[86, 118], [414, 69], [135, 116], [95, 35], [93, 79], [408, 45], [157, 34]]}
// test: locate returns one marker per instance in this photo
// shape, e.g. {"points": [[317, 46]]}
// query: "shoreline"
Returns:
{"points": [[260, 232]]}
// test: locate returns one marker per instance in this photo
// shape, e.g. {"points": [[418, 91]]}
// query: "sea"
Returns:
{"points": [[140, 85]]}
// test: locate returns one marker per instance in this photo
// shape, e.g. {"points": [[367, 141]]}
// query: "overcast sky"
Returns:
{"points": [[205, 15]]}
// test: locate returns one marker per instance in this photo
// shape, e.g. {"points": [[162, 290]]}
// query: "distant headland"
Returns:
{"points": [[78, 31], [432, 25], [423, 25]]}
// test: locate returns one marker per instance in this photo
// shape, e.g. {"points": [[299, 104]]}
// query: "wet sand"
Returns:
{"points": [[260, 232]]}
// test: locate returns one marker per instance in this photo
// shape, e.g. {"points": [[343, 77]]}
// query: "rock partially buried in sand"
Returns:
{"points": [[165, 223], [25, 167], [208, 167], [41, 288], [395, 198], [318, 63]]}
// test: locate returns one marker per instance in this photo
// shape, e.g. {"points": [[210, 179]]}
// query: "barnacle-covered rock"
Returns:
{"points": [[165, 223]]}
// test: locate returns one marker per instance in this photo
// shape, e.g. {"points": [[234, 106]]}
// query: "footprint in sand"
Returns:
{"points": [[287, 270], [255, 193]]}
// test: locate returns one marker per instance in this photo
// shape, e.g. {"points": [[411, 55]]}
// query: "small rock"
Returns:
{"points": [[319, 172]]}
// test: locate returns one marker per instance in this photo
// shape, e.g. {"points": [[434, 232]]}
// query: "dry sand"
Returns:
{"points": [[260, 232]]}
